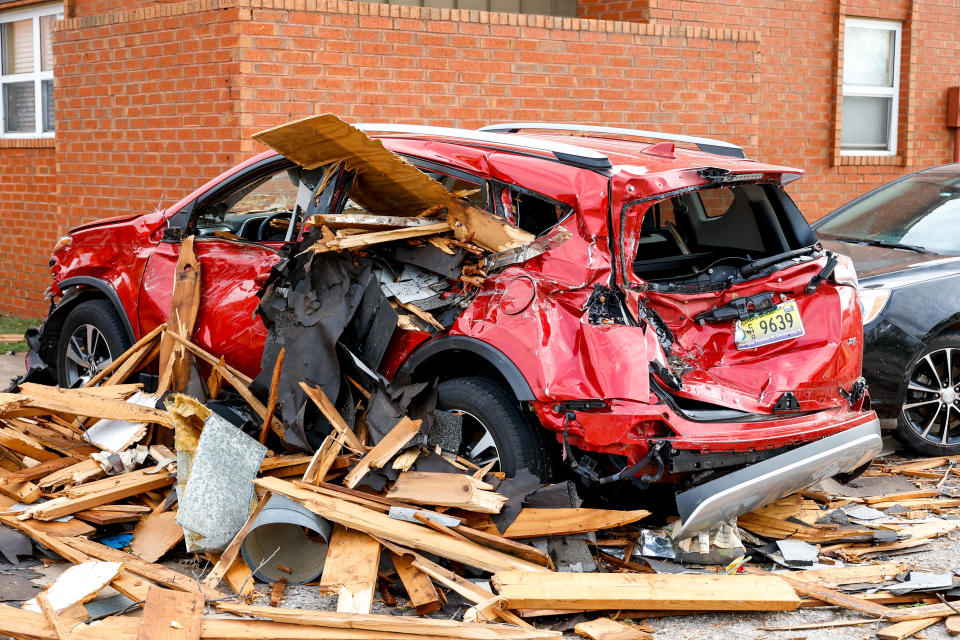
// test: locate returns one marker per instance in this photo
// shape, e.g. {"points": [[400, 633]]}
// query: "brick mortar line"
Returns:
{"points": [[373, 9]]}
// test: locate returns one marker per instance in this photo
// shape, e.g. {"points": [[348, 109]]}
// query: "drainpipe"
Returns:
{"points": [[953, 119]]}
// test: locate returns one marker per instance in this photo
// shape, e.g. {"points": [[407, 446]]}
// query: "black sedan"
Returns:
{"points": [[904, 239]]}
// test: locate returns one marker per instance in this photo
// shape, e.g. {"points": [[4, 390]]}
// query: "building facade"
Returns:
{"points": [[111, 107]]}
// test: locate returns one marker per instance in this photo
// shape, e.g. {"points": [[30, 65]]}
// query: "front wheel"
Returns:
{"points": [[929, 418], [494, 429], [91, 337]]}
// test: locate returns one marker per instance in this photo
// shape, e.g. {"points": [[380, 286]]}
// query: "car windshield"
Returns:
{"points": [[917, 212]]}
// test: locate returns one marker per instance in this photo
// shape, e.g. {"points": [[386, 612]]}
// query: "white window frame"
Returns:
{"points": [[37, 76], [877, 92]]}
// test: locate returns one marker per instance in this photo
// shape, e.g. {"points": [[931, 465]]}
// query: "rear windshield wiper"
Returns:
{"points": [[752, 267]]}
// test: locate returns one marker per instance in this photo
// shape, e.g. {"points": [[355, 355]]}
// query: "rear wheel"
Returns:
{"points": [[91, 337], [929, 419], [494, 429]]}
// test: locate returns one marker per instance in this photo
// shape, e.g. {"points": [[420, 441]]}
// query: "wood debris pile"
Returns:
{"points": [[71, 495]]}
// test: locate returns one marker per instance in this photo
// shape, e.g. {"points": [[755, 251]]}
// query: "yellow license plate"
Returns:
{"points": [[776, 324]]}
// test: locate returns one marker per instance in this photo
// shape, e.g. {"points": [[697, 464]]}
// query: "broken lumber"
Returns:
{"points": [[381, 453], [407, 534], [905, 629], [367, 222], [447, 490], [533, 523], [155, 535], [139, 349], [639, 591], [86, 403], [59, 627], [171, 615], [333, 416], [184, 304], [420, 589], [607, 629], [99, 492], [362, 240], [272, 396], [351, 568]]}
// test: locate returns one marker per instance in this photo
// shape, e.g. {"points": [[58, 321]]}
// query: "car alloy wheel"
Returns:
{"points": [[931, 405], [87, 353], [478, 445]]}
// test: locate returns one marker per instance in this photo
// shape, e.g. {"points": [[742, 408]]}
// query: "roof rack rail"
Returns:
{"points": [[708, 145], [566, 153]]}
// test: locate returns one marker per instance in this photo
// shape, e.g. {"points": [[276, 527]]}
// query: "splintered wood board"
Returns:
{"points": [[171, 615], [420, 589], [396, 439], [351, 568], [101, 492], [155, 535], [533, 523], [646, 591]]}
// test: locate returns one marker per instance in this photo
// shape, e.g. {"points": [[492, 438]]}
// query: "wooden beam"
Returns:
{"points": [[639, 591], [87, 403], [38, 470], [59, 628], [380, 454], [905, 629], [447, 490], [100, 492], [181, 318], [404, 533]]}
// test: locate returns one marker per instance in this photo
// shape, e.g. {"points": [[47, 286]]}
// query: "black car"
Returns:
{"points": [[904, 239]]}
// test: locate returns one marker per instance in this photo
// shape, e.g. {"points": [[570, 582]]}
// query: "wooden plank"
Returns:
{"points": [[851, 574], [367, 221], [420, 589], [155, 535], [828, 595], [171, 615], [953, 625], [904, 495], [276, 591], [597, 591], [272, 396], [387, 625], [533, 523], [38, 470], [378, 237], [100, 492], [607, 629], [125, 356], [316, 472], [181, 318], [16, 441], [138, 361], [905, 629], [351, 568], [78, 473], [333, 416], [59, 627], [25, 492], [404, 533], [380, 454], [153, 572], [82, 402], [447, 490], [70, 528], [230, 553]]}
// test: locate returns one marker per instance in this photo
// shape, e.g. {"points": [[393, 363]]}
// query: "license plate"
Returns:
{"points": [[776, 324]]}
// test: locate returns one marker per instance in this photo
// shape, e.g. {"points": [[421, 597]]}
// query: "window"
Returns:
{"points": [[26, 71], [871, 87], [258, 211]]}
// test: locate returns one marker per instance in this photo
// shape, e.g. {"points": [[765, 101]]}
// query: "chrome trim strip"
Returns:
{"points": [[759, 484]]}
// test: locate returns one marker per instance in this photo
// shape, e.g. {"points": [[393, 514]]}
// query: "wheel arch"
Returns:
{"points": [[457, 356], [76, 290]]}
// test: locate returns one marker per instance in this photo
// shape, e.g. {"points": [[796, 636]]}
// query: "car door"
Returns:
{"points": [[237, 227]]}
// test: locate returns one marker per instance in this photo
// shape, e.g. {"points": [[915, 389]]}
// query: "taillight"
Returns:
{"points": [[844, 273], [63, 243]]}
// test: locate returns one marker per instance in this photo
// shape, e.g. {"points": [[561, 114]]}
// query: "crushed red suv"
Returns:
{"points": [[675, 319]]}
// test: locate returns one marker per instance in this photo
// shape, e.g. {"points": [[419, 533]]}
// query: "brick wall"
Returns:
{"points": [[28, 224]]}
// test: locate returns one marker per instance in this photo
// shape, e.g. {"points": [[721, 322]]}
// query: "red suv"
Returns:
{"points": [[675, 320]]}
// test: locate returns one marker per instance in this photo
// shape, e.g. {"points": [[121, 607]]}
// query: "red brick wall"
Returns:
{"points": [[79, 8], [28, 222]]}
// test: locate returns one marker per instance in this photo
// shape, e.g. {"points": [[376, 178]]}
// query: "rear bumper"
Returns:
{"points": [[762, 483]]}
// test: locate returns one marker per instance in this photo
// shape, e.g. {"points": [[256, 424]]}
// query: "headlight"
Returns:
{"points": [[872, 302], [62, 243]]}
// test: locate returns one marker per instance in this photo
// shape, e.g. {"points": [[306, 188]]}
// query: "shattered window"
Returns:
{"points": [[532, 213]]}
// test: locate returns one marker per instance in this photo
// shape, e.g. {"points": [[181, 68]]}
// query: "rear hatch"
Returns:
{"points": [[737, 278]]}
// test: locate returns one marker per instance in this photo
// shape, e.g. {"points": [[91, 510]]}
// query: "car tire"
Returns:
{"points": [[91, 323], [494, 426], [928, 421]]}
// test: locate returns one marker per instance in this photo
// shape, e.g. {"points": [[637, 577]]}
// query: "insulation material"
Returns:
{"points": [[116, 435], [218, 495]]}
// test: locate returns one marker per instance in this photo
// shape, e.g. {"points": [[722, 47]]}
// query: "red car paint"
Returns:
{"points": [[534, 312]]}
